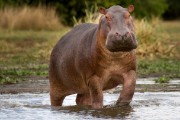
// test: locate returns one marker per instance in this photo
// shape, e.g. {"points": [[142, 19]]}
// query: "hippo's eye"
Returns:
{"points": [[127, 15], [108, 18]]}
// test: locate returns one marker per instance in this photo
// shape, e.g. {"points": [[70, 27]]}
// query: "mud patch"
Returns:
{"points": [[42, 86]]}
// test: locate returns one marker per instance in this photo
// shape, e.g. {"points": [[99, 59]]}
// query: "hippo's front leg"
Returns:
{"points": [[128, 88], [96, 92]]}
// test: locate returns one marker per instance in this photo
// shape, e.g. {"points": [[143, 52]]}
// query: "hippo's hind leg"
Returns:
{"points": [[57, 92], [84, 99], [57, 100], [57, 95]]}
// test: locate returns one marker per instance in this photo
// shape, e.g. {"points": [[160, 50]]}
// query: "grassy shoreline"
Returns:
{"points": [[24, 54], [160, 68]]}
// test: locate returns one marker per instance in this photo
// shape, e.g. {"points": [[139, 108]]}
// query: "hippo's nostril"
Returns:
{"points": [[127, 34], [117, 34]]}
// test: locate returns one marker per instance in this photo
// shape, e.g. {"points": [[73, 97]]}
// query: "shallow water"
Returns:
{"points": [[148, 105], [150, 81]]}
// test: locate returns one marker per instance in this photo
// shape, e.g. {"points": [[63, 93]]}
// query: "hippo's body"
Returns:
{"points": [[85, 63]]}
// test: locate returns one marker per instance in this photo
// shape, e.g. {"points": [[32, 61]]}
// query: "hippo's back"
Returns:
{"points": [[73, 39], [72, 52]]}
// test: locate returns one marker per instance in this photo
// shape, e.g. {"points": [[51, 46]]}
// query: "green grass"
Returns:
{"points": [[27, 36], [173, 29], [167, 64], [162, 79], [14, 75], [25, 54], [22, 47], [159, 67]]}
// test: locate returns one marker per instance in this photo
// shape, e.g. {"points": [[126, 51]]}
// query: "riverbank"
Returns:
{"points": [[42, 86]]}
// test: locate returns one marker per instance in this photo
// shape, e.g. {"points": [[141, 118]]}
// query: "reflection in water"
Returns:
{"points": [[112, 112], [108, 111], [148, 105]]}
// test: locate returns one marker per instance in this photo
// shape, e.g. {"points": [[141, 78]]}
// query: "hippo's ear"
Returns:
{"points": [[102, 10], [130, 8]]}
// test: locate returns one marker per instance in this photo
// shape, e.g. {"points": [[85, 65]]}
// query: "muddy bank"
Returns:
{"points": [[42, 86], [29, 86]]}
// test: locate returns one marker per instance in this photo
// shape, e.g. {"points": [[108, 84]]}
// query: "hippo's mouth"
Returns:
{"points": [[121, 48], [123, 45]]}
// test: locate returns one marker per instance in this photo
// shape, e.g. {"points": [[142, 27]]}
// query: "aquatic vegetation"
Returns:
{"points": [[162, 79]]}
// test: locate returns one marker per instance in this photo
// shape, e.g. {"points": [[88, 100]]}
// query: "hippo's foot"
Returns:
{"points": [[119, 104], [57, 100], [97, 105], [84, 99]]}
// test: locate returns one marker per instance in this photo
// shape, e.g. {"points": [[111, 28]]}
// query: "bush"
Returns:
{"points": [[173, 11], [150, 8], [66, 9], [152, 40], [143, 8]]}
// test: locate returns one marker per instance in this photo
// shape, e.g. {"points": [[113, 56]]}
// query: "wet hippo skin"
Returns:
{"points": [[95, 57]]}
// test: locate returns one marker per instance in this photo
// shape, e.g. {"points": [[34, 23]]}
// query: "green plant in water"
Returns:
{"points": [[10, 80], [162, 79]]}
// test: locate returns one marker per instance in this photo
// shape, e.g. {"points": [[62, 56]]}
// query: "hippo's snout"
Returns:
{"points": [[117, 42], [120, 37]]}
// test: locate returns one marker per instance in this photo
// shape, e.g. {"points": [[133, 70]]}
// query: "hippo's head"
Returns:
{"points": [[116, 26]]}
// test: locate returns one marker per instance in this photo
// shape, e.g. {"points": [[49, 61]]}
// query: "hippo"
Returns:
{"points": [[92, 58]]}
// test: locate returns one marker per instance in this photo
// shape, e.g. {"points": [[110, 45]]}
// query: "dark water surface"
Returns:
{"points": [[145, 106]]}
